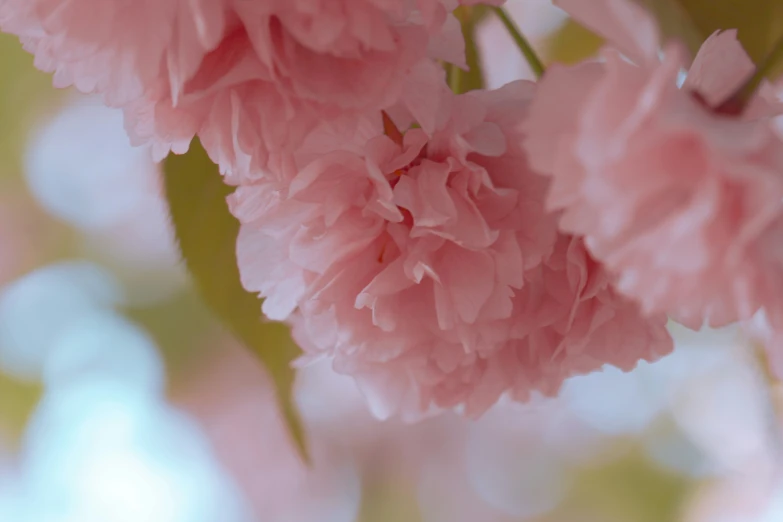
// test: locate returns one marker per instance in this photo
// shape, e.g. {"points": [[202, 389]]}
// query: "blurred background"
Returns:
{"points": [[122, 400]]}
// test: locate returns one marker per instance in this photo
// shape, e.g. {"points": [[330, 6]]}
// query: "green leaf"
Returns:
{"points": [[26, 96], [631, 489], [207, 233], [570, 44], [18, 400], [675, 22], [759, 23]]}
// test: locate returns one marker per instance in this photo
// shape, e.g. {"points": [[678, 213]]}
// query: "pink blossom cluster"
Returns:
{"points": [[673, 190], [448, 249], [248, 77]]}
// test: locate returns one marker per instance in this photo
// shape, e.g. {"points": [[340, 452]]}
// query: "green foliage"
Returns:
{"points": [[25, 94], [759, 23], [570, 44], [18, 399], [387, 497], [675, 22], [207, 233], [179, 324], [631, 489]]}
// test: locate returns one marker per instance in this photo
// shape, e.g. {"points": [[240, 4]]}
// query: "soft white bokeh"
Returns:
{"points": [[673, 450], [615, 402], [104, 345], [82, 169], [12, 505], [445, 493], [626, 403], [100, 451], [746, 498], [719, 398], [523, 479], [328, 399], [773, 511], [37, 309], [102, 445], [725, 413]]}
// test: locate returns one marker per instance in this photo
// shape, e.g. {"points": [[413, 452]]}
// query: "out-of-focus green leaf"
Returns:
{"points": [[388, 498], [207, 233], [17, 401], [573, 42], [759, 23], [25, 94], [472, 79], [179, 325], [675, 22], [631, 489], [570, 44]]}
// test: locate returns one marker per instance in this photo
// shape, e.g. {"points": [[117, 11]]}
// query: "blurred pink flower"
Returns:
{"points": [[682, 202], [414, 262], [451, 463], [236, 405], [26, 235]]}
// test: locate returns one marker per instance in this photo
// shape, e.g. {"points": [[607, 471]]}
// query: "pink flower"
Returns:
{"points": [[415, 261], [574, 322], [682, 202], [177, 68], [251, 78], [348, 53]]}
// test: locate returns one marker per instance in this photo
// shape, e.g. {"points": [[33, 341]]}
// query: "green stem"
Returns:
{"points": [[455, 79], [527, 50]]}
